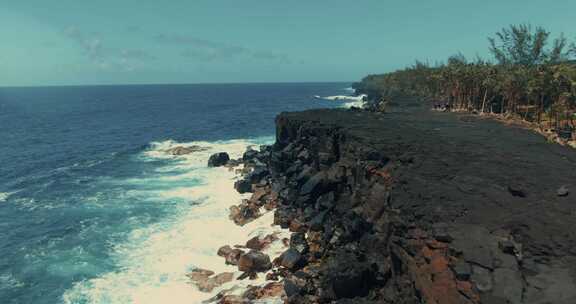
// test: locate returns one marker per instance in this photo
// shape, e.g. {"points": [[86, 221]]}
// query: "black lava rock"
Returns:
{"points": [[243, 186], [249, 155], [516, 190], [218, 159], [290, 259], [298, 242]]}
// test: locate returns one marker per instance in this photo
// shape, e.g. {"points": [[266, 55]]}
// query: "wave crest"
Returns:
{"points": [[153, 261], [350, 101]]}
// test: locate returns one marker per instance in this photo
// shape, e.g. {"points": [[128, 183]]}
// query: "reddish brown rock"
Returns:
{"points": [[244, 213], [233, 299], [290, 259], [257, 243], [254, 261], [199, 274], [224, 251], [215, 281], [206, 282], [232, 255], [270, 290], [297, 226], [259, 193]]}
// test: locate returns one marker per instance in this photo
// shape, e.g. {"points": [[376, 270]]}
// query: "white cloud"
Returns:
{"points": [[105, 57], [214, 50]]}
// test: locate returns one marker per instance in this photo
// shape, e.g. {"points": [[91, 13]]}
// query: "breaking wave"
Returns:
{"points": [[153, 260], [348, 101]]}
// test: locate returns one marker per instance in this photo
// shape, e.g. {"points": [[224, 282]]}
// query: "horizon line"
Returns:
{"points": [[169, 84]]}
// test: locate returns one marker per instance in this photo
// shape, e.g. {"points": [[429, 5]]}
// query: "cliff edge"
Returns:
{"points": [[415, 206]]}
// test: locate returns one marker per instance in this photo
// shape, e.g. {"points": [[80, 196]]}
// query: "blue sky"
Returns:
{"points": [[77, 42]]}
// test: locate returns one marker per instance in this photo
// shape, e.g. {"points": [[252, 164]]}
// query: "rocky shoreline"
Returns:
{"points": [[407, 207]]}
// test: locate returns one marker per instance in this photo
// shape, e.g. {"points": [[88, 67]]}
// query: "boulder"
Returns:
{"points": [[249, 155], [218, 159], [270, 290], [297, 226], [232, 299], [254, 261], [258, 243], [345, 276], [290, 259], [259, 194], [292, 287], [351, 284], [243, 186], [232, 255], [244, 213], [298, 242], [283, 217], [255, 243], [251, 275], [224, 251], [206, 282], [258, 174]]}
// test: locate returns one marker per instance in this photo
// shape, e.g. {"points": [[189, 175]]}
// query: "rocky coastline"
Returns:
{"points": [[405, 207]]}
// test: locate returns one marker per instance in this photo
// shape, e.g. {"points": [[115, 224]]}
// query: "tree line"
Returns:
{"points": [[531, 77]]}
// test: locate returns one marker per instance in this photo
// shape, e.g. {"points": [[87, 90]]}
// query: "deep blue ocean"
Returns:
{"points": [[91, 208]]}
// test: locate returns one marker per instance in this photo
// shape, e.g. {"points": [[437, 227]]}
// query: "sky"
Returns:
{"points": [[75, 42]]}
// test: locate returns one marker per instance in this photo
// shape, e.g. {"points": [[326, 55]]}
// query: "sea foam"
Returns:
{"points": [[349, 101], [154, 260], [4, 196]]}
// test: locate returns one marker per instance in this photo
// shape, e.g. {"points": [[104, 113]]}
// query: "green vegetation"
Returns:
{"points": [[531, 79]]}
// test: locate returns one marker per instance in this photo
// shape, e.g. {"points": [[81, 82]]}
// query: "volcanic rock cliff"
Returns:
{"points": [[421, 207]]}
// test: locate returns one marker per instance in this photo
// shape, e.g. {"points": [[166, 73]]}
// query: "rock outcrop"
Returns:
{"points": [[181, 150], [407, 207], [254, 261], [421, 208], [206, 281], [218, 159]]}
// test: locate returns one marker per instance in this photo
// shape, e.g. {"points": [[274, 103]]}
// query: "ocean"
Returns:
{"points": [[92, 208]]}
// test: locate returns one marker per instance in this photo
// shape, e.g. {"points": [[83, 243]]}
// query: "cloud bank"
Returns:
{"points": [[209, 50], [106, 57]]}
